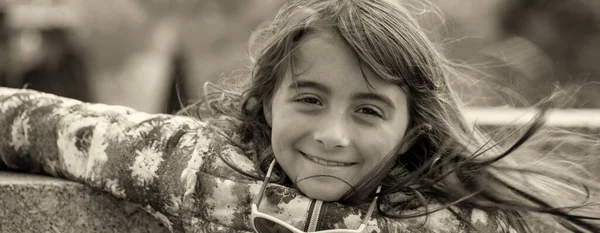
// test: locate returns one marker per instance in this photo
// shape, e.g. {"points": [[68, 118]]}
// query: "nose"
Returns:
{"points": [[332, 132]]}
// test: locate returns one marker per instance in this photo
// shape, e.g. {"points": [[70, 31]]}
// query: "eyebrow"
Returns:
{"points": [[297, 84], [374, 96]]}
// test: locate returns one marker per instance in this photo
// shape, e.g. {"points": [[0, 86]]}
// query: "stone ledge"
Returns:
{"points": [[34, 203]]}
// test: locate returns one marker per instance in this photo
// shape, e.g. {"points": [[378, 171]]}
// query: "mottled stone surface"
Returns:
{"points": [[32, 203]]}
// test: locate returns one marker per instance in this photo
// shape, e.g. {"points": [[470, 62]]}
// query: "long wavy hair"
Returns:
{"points": [[450, 161]]}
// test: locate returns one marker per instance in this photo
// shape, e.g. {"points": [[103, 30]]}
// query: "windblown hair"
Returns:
{"points": [[450, 160]]}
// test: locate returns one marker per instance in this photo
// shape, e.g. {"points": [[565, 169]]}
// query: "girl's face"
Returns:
{"points": [[332, 119]]}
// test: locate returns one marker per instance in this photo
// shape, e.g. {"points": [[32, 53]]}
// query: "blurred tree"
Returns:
{"points": [[42, 55], [216, 34]]}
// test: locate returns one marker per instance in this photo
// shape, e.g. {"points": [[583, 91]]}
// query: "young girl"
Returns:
{"points": [[349, 110]]}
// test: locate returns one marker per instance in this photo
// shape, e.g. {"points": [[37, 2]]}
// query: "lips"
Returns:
{"points": [[326, 162]]}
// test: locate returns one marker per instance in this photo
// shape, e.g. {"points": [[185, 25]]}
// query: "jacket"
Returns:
{"points": [[170, 166]]}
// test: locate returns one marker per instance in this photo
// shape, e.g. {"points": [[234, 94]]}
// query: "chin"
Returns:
{"points": [[323, 191]]}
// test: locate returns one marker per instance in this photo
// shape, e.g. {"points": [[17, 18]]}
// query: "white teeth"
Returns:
{"points": [[325, 162]]}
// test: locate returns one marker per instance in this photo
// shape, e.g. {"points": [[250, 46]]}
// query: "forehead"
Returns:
{"points": [[325, 57]]}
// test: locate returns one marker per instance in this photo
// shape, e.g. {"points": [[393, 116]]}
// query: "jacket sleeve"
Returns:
{"points": [[147, 159]]}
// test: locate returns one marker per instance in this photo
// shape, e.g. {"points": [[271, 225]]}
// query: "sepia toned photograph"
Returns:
{"points": [[298, 116]]}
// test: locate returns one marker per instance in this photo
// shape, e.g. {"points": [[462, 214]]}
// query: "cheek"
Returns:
{"points": [[375, 153], [286, 132], [287, 123], [376, 147]]}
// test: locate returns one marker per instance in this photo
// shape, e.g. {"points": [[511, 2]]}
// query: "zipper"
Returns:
{"points": [[313, 215], [309, 216]]}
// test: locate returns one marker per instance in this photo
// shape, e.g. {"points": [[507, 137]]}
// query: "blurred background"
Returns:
{"points": [[153, 55]]}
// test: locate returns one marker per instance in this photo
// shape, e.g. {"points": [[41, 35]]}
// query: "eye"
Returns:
{"points": [[309, 100], [370, 111]]}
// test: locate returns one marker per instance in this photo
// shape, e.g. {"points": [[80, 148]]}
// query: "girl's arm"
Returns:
{"points": [[143, 158]]}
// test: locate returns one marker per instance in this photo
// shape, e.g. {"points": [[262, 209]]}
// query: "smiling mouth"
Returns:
{"points": [[326, 162]]}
